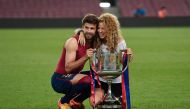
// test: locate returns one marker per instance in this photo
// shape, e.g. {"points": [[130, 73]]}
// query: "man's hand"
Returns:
{"points": [[89, 52]]}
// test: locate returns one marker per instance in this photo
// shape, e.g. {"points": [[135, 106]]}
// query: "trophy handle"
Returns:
{"points": [[120, 54]]}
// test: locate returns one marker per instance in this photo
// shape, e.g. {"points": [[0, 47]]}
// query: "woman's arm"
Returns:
{"points": [[122, 46], [81, 40]]}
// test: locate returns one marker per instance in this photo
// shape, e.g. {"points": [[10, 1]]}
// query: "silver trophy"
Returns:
{"points": [[109, 67]]}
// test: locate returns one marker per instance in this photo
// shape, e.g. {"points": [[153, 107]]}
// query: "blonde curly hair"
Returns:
{"points": [[112, 28]]}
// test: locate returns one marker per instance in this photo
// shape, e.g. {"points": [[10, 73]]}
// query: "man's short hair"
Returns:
{"points": [[90, 18]]}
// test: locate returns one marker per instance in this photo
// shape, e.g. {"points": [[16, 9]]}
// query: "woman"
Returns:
{"points": [[109, 39]]}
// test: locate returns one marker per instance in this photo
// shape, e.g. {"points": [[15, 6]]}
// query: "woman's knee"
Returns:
{"points": [[85, 79]]}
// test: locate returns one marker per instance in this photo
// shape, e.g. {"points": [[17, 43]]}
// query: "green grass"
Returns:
{"points": [[159, 73]]}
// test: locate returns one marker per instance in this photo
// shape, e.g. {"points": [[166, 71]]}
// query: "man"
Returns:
{"points": [[162, 12], [140, 11], [68, 78]]}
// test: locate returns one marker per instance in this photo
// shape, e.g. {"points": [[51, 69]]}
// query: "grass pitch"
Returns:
{"points": [[159, 73]]}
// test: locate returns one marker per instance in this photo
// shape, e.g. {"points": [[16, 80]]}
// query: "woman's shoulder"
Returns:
{"points": [[121, 45], [121, 41]]}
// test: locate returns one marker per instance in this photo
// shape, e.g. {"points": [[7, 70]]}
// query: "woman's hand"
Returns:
{"points": [[82, 40], [130, 54], [97, 98]]}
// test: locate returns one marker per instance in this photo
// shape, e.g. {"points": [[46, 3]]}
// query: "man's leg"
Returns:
{"points": [[86, 84], [79, 91], [62, 84], [82, 92], [83, 86]]}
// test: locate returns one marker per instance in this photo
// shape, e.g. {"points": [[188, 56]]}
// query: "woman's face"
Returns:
{"points": [[101, 30]]}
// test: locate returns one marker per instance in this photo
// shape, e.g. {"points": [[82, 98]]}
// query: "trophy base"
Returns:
{"points": [[109, 106], [113, 104]]}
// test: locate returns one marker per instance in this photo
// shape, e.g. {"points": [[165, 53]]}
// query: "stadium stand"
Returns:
{"points": [[68, 13], [174, 7], [48, 8], [78, 8]]}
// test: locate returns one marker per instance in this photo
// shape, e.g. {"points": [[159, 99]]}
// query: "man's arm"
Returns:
{"points": [[71, 47]]}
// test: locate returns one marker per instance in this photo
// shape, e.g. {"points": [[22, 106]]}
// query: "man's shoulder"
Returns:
{"points": [[73, 38], [71, 42]]}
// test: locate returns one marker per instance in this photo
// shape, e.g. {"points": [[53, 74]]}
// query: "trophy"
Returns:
{"points": [[108, 65]]}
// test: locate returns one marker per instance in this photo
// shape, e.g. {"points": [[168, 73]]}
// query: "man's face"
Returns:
{"points": [[89, 30]]}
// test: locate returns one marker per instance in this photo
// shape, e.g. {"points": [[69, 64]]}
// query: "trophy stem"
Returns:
{"points": [[109, 97]]}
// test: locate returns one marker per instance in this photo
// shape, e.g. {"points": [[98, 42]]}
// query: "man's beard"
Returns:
{"points": [[88, 36]]}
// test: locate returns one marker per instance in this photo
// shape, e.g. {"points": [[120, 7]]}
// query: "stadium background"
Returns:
{"points": [[33, 32]]}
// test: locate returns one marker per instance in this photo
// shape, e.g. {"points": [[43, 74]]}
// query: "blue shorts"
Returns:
{"points": [[61, 84]]}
